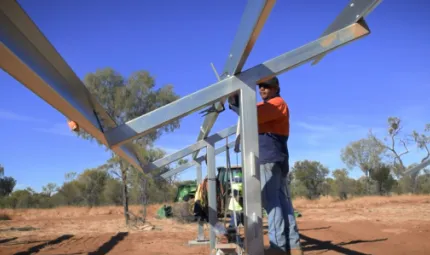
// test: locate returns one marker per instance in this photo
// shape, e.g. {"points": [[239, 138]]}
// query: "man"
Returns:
{"points": [[273, 133]]}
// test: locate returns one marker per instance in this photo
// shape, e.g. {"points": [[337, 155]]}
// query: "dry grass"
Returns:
{"points": [[368, 201], [373, 208], [73, 212], [393, 204], [403, 221]]}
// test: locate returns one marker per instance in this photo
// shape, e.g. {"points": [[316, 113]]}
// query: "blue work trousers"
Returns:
{"points": [[283, 232]]}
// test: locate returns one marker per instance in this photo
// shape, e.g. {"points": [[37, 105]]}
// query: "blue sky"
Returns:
{"points": [[353, 89]]}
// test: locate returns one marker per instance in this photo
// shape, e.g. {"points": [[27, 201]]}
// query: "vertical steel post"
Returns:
{"points": [[251, 171], [213, 216], [201, 235]]}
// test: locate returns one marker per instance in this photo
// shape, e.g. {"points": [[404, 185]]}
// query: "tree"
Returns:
{"points": [[364, 154], [126, 99], [91, 184], [7, 184], [342, 183], [160, 184], [408, 183], [70, 176], [423, 141], [359, 186], [112, 191], [312, 174], [71, 193], [21, 199], [392, 142], [384, 180], [328, 187], [174, 178], [49, 189], [423, 182]]}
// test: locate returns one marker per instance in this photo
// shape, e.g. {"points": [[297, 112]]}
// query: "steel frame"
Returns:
{"points": [[198, 163], [195, 162], [190, 149], [30, 58]]}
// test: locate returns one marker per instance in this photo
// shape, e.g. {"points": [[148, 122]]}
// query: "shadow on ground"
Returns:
{"points": [[19, 229], [104, 249], [312, 244], [8, 239], [310, 229], [109, 245], [37, 248]]}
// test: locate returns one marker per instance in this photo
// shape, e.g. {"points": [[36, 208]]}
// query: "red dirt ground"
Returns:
{"points": [[373, 225]]}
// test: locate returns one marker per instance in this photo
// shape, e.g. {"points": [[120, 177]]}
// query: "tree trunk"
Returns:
{"points": [[381, 192], [165, 192], [367, 183], [124, 191], [414, 183], [144, 197]]}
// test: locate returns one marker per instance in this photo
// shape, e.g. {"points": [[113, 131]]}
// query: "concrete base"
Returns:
{"points": [[197, 242]]}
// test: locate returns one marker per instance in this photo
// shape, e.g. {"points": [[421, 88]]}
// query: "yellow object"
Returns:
{"points": [[237, 186], [199, 194], [234, 205]]}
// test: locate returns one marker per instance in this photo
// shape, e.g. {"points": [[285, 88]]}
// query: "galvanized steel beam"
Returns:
{"points": [[352, 13], [212, 202], [253, 221], [198, 161], [146, 123], [190, 149], [253, 19], [30, 58]]}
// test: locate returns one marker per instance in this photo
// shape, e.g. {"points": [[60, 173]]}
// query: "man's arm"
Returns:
{"points": [[271, 110]]}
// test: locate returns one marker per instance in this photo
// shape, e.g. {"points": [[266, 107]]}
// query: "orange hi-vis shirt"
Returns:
{"points": [[274, 117], [273, 130]]}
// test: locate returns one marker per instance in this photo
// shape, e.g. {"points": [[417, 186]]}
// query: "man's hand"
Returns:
{"points": [[234, 101], [73, 125]]}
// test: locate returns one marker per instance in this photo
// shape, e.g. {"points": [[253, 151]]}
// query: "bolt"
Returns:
{"points": [[230, 56], [351, 5], [357, 16]]}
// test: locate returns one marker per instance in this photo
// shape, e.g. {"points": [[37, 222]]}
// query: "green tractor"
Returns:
{"points": [[182, 203], [186, 192]]}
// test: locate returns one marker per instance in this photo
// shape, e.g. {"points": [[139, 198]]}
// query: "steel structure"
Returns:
{"points": [[30, 58]]}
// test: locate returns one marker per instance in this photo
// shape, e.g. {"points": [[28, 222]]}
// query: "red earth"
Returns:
{"points": [[372, 225]]}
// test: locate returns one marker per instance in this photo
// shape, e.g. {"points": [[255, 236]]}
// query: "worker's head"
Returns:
{"points": [[269, 88]]}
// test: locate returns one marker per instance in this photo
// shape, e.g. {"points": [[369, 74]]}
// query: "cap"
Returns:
{"points": [[272, 82]]}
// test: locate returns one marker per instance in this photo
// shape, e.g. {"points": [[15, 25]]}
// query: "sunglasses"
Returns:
{"points": [[265, 86]]}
